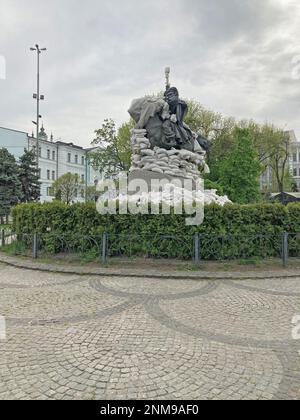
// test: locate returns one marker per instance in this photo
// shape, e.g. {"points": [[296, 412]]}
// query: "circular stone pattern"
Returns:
{"points": [[75, 337], [134, 357], [233, 315], [158, 288], [11, 278], [58, 303]]}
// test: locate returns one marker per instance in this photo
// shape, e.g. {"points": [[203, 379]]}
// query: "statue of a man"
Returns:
{"points": [[163, 119], [178, 111]]}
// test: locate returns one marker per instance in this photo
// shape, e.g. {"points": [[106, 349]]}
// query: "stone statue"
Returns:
{"points": [[161, 141], [163, 119], [184, 136], [164, 147]]}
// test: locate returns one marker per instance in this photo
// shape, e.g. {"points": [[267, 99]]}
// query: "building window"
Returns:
{"points": [[48, 174], [48, 154], [40, 173], [69, 157], [53, 155], [53, 175], [76, 159], [40, 152], [82, 178], [295, 172], [82, 160]]}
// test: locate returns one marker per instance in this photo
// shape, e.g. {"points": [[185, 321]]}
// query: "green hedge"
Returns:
{"points": [[233, 231]]}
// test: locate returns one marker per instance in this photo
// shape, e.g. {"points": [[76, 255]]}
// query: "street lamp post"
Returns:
{"points": [[38, 98]]}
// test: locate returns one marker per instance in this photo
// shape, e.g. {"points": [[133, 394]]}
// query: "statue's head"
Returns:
{"points": [[172, 96]]}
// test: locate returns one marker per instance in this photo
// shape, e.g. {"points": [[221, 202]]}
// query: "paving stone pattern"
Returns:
{"points": [[96, 337]]}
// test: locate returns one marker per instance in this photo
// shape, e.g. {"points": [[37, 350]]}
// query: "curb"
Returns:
{"points": [[150, 274]]}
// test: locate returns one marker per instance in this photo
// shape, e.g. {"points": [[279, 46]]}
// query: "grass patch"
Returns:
{"points": [[89, 257], [16, 248], [250, 261]]}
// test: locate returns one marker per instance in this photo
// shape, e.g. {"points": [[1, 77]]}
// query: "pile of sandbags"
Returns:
{"points": [[177, 163], [211, 197]]}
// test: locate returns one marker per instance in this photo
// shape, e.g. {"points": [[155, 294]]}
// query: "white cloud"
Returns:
{"points": [[236, 59]]}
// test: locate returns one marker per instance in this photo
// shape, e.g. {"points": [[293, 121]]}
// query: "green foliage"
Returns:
{"points": [[10, 186], [230, 232], [279, 160], [18, 247], [90, 193], [66, 188], [270, 145], [209, 124], [28, 175], [241, 169], [114, 153], [211, 185]]}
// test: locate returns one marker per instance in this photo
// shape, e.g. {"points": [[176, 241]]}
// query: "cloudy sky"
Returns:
{"points": [[238, 57]]}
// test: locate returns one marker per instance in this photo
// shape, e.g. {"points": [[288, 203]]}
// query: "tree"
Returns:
{"points": [[279, 161], [10, 186], [91, 193], [66, 188], [114, 152], [214, 127], [211, 185], [273, 146], [241, 170], [269, 143], [28, 175], [203, 121]]}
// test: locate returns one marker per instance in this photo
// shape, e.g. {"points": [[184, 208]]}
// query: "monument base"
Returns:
{"points": [[150, 176], [196, 192]]}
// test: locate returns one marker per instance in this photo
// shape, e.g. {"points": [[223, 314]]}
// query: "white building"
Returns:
{"points": [[56, 158], [295, 159]]}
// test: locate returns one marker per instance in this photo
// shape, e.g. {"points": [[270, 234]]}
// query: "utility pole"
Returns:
{"points": [[38, 98]]}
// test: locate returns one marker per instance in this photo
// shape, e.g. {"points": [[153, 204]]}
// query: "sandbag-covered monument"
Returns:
{"points": [[164, 146]]}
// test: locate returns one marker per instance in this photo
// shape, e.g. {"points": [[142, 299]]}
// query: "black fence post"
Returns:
{"points": [[285, 249], [197, 248], [35, 246], [104, 247], [3, 237]]}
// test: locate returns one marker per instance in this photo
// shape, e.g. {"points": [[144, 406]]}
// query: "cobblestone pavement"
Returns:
{"points": [[90, 337]]}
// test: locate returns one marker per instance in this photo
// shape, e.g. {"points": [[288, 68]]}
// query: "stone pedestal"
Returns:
{"points": [[180, 168], [149, 176]]}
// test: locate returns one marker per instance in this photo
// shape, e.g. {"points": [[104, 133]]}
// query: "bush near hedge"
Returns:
{"points": [[233, 231]]}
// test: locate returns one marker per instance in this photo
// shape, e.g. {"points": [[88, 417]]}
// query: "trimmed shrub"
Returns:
{"points": [[233, 231]]}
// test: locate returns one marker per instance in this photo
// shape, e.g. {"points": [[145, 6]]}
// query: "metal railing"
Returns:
{"points": [[198, 247]]}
